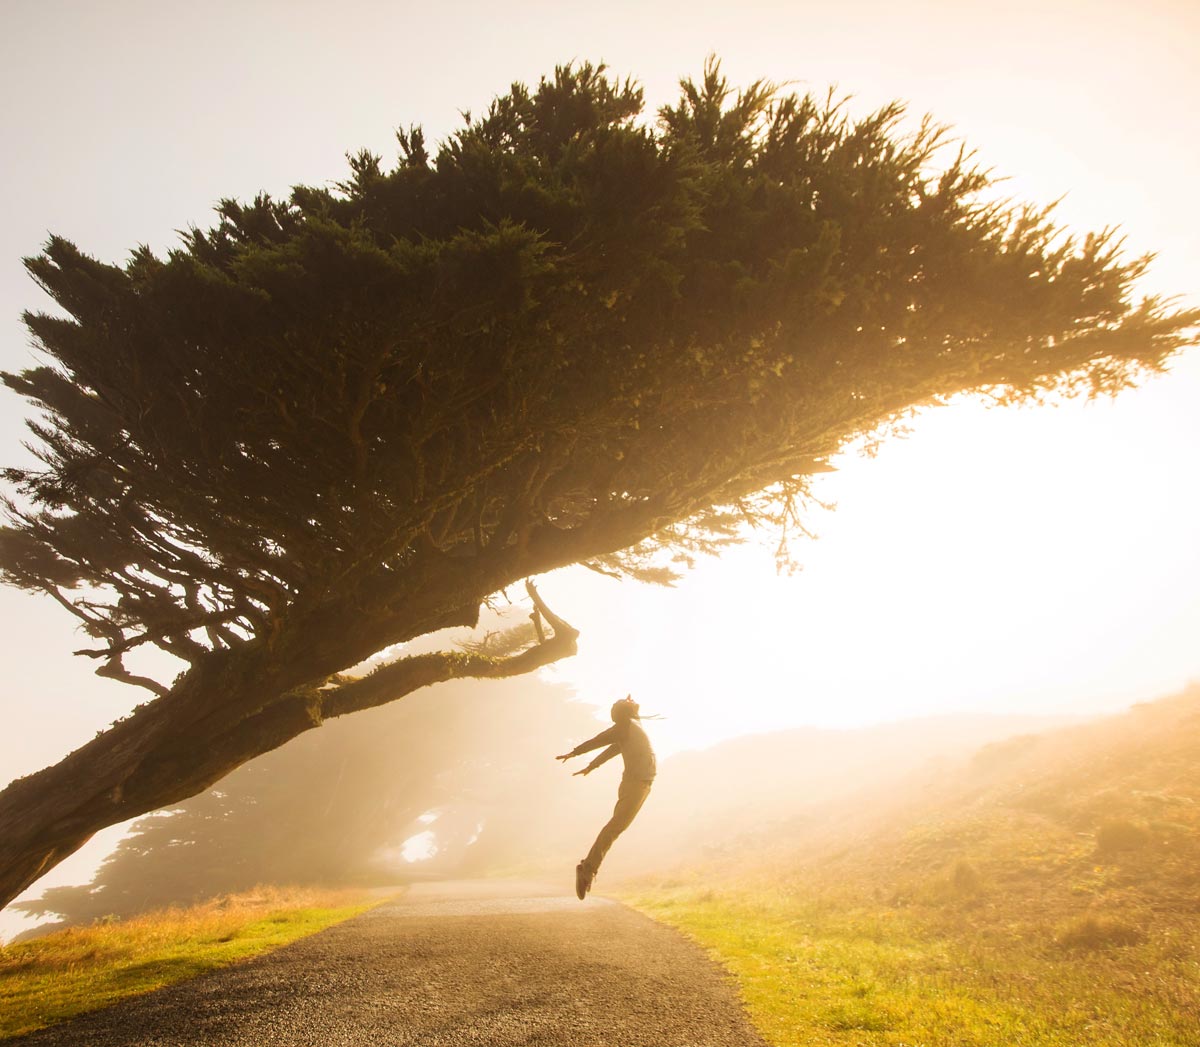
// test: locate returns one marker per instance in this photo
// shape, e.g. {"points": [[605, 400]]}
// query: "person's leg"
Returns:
{"points": [[630, 797]]}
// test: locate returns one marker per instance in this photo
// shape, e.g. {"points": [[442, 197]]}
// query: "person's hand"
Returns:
{"points": [[565, 756], [578, 773]]}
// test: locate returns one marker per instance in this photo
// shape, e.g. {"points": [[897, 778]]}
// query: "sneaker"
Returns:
{"points": [[583, 880]]}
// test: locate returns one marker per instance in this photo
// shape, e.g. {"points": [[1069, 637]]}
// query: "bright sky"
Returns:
{"points": [[996, 560]]}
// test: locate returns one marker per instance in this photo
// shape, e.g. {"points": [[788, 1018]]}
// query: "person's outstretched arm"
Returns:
{"points": [[604, 757], [603, 738]]}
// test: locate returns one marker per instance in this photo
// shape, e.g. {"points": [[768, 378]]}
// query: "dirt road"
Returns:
{"points": [[471, 963]]}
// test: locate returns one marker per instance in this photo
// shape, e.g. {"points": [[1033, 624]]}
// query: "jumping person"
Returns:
{"points": [[628, 738]]}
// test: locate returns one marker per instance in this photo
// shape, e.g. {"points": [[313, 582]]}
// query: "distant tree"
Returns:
{"points": [[332, 424], [335, 806]]}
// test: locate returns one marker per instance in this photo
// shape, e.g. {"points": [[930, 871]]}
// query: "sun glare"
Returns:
{"points": [[1002, 560], [419, 848]]}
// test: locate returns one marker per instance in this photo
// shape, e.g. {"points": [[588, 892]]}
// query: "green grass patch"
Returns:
{"points": [[1042, 894], [824, 971], [69, 972]]}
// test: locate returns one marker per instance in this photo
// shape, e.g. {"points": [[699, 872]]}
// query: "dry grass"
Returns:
{"points": [[80, 969], [1044, 896], [818, 969]]}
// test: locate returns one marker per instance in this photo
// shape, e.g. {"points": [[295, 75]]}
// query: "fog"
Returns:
{"points": [[460, 780], [467, 778]]}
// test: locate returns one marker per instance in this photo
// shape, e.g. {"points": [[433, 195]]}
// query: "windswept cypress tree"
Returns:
{"points": [[338, 422]]}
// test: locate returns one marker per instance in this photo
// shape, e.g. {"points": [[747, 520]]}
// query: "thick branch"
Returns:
{"points": [[402, 677]]}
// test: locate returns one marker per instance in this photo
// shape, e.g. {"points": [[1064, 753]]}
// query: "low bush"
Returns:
{"points": [[966, 879], [1095, 931]]}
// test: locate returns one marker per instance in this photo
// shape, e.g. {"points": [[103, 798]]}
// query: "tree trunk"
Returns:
{"points": [[220, 715]]}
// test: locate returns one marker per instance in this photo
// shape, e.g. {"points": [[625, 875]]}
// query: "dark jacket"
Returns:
{"points": [[628, 739]]}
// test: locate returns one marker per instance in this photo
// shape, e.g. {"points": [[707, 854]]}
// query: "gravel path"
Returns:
{"points": [[471, 963]]}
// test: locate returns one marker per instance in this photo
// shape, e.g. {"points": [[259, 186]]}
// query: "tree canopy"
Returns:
{"points": [[571, 334]]}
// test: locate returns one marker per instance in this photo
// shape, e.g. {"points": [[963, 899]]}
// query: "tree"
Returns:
{"points": [[329, 425]]}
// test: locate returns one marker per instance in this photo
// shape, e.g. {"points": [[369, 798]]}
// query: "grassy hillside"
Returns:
{"points": [[791, 783], [1100, 819], [1044, 891]]}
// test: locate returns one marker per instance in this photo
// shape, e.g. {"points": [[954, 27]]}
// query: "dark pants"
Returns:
{"points": [[630, 797]]}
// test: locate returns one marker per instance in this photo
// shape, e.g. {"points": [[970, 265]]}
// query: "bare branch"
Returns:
{"points": [[562, 629], [114, 670], [406, 675]]}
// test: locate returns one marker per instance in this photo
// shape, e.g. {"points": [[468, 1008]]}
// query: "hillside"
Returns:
{"points": [[1042, 892], [1100, 819], [742, 794]]}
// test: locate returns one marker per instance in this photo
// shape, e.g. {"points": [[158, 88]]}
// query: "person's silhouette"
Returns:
{"points": [[626, 737]]}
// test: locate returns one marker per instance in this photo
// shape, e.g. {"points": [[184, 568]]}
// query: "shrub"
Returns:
{"points": [[966, 879], [1097, 932]]}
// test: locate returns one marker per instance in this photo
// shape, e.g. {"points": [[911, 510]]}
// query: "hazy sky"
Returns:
{"points": [[995, 560]]}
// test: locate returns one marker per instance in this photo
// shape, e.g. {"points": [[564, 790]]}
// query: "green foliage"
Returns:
{"points": [[568, 332]]}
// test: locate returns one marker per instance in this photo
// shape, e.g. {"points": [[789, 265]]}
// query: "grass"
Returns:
{"points": [[1042, 894], [66, 973], [822, 971]]}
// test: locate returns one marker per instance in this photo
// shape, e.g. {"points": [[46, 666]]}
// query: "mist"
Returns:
{"points": [[460, 781]]}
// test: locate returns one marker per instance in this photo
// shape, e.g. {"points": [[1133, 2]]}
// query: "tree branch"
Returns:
{"points": [[115, 670], [402, 677]]}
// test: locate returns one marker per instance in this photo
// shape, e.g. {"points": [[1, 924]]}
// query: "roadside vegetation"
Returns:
{"points": [[68, 972], [1044, 892]]}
